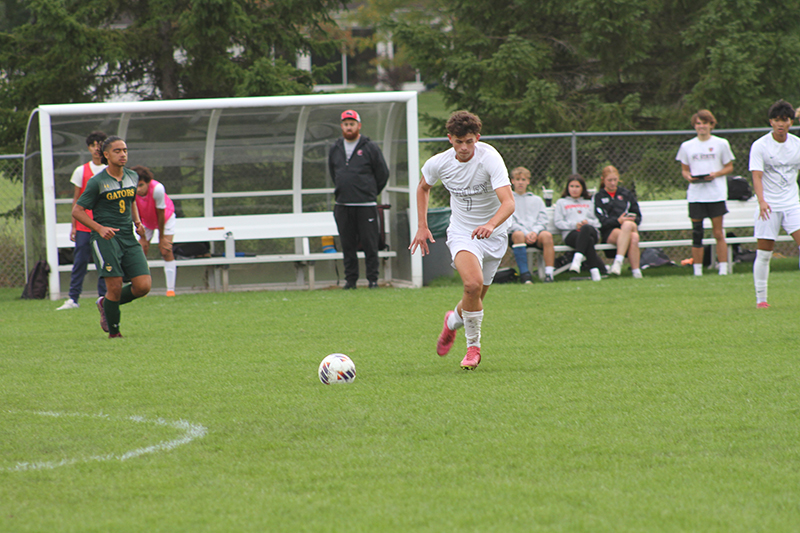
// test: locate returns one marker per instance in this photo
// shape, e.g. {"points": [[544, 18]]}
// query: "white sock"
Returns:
{"points": [[723, 268], [170, 272], [455, 321], [637, 272], [577, 261], [761, 274], [595, 272], [472, 327], [549, 270], [698, 269], [619, 258]]}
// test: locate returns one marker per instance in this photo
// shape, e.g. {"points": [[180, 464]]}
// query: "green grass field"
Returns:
{"points": [[663, 404]]}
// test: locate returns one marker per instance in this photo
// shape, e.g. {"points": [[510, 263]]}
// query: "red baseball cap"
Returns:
{"points": [[351, 115]]}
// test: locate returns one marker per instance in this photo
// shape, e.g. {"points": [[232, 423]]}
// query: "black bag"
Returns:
{"points": [[38, 282], [739, 189], [505, 275], [654, 257], [189, 250]]}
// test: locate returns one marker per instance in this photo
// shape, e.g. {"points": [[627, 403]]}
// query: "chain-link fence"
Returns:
{"points": [[645, 160], [12, 248]]}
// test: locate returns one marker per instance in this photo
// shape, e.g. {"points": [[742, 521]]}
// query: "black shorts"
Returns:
{"points": [[701, 210], [536, 245], [605, 233]]}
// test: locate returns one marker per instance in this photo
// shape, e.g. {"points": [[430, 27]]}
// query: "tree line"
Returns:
{"points": [[524, 66]]}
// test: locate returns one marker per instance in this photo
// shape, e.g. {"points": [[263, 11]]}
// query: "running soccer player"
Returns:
{"points": [[110, 196], [774, 163], [481, 203]]}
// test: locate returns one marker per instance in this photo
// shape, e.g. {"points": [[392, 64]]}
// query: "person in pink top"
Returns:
{"points": [[158, 213]]}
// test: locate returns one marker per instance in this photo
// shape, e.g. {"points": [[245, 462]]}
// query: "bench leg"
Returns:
{"points": [[225, 278], [730, 259], [311, 275], [387, 269], [533, 253]]}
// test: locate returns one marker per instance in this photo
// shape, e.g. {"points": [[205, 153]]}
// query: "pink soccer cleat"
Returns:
{"points": [[103, 321], [446, 338], [762, 305], [472, 359]]}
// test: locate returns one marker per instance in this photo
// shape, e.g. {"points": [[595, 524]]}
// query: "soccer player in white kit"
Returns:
{"points": [[774, 163], [481, 203]]}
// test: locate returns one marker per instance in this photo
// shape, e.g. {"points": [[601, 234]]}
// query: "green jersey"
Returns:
{"points": [[110, 200]]}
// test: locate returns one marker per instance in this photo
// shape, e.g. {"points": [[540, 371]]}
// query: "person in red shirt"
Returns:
{"points": [[158, 213], [80, 234]]}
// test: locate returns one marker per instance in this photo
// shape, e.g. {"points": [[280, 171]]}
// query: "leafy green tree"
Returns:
{"points": [[557, 65], [90, 50]]}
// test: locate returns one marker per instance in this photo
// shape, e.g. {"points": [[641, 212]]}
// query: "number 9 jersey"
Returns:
{"points": [[110, 200]]}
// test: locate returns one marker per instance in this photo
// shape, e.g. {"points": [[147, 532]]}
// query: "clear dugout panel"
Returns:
{"points": [[253, 153], [70, 151], [172, 144]]}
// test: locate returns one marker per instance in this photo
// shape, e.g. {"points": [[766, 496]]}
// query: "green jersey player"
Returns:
{"points": [[110, 195]]}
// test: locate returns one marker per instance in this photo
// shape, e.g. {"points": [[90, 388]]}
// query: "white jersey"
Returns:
{"points": [[472, 185], [779, 163], [705, 157], [160, 196], [77, 174]]}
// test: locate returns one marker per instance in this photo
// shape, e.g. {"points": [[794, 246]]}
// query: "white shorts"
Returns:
{"points": [[169, 228], [769, 229], [488, 251]]}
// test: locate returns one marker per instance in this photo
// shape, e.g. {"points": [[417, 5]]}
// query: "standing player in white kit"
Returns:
{"points": [[774, 163], [481, 202]]}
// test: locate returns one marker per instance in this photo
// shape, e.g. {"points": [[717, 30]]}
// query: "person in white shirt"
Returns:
{"points": [[481, 203], [705, 161], [774, 163], [80, 234], [529, 227]]}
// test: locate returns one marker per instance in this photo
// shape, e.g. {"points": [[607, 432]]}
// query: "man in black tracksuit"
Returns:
{"points": [[359, 173]]}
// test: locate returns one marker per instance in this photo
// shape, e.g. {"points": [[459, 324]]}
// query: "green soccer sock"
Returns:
{"points": [[127, 294], [112, 315]]}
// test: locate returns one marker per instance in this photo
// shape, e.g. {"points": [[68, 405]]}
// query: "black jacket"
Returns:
{"points": [[361, 179], [608, 209]]}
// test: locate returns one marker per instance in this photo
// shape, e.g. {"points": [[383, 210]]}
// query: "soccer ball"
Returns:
{"points": [[337, 368]]}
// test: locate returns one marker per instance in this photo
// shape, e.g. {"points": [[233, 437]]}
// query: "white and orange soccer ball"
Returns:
{"points": [[337, 368]]}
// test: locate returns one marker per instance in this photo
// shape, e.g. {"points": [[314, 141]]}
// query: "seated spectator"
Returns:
{"points": [[528, 227], [618, 212], [574, 216]]}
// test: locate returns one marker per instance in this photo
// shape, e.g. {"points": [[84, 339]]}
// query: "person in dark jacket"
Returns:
{"points": [[618, 212], [359, 173]]}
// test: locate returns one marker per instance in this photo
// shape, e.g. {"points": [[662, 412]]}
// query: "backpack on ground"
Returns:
{"points": [[505, 275], [38, 282], [654, 257], [739, 189]]}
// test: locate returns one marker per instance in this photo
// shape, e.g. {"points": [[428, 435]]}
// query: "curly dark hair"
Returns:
{"points": [[145, 174], [462, 123]]}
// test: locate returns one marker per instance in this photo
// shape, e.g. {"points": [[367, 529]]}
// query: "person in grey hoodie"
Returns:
{"points": [[359, 173], [574, 216], [529, 227]]}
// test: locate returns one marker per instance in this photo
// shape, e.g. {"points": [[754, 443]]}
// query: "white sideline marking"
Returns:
{"points": [[191, 432]]}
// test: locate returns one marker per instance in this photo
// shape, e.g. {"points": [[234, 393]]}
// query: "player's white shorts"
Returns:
{"points": [[769, 229], [169, 228], [488, 251]]}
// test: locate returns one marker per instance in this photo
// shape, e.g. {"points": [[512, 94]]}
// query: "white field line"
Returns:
{"points": [[190, 432]]}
